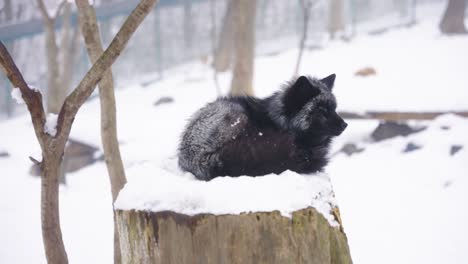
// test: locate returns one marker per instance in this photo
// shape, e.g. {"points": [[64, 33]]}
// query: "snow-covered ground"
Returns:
{"points": [[405, 207], [396, 207]]}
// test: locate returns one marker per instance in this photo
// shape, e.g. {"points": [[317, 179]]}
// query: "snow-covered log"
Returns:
{"points": [[168, 216], [264, 237]]}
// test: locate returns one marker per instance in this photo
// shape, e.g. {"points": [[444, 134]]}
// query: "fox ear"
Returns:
{"points": [[329, 81], [303, 87], [298, 94]]}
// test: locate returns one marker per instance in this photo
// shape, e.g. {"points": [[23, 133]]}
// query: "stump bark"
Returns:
{"points": [[261, 237]]}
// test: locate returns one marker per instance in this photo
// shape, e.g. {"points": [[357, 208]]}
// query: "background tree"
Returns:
{"points": [[224, 50], [91, 34], [60, 55], [11, 12], [453, 20], [306, 6], [213, 44], [336, 21], [244, 44], [52, 138], [6, 16]]}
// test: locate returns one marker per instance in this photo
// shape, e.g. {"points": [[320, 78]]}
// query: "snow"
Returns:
{"points": [[183, 193], [34, 88], [416, 67], [16, 94], [396, 207], [236, 122], [407, 207], [50, 127]]}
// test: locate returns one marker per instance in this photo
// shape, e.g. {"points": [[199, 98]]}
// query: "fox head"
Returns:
{"points": [[310, 107]]}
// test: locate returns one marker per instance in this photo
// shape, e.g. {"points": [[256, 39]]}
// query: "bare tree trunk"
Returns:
{"points": [[453, 21], [188, 28], [213, 43], [68, 48], [244, 40], [55, 95], [6, 16], [115, 169], [60, 55], [336, 19], [223, 54], [106, 26], [53, 146], [306, 7], [50, 216], [6, 12]]}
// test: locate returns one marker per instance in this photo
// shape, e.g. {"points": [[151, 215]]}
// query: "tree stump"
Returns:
{"points": [[259, 237]]}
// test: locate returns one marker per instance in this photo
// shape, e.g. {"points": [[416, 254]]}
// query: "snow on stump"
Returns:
{"points": [[174, 218]]}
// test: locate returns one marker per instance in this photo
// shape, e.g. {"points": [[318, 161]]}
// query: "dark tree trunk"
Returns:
{"points": [[453, 21]]}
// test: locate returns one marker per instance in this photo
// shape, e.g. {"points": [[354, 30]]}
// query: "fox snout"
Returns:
{"points": [[338, 125], [343, 126]]}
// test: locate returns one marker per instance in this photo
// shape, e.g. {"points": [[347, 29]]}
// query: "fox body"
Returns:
{"points": [[290, 130]]}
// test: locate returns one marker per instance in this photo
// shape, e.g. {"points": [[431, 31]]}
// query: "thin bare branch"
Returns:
{"points": [[32, 98], [35, 161]]}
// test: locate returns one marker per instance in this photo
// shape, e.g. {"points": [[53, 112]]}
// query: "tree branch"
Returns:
{"points": [[32, 98], [43, 10], [59, 8], [87, 85]]}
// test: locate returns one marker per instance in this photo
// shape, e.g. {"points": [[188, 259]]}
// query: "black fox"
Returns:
{"points": [[290, 130]]}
